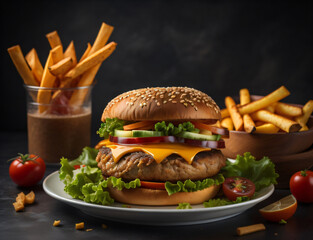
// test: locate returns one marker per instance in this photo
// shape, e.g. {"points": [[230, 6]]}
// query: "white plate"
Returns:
{"points": [[147, 215]]}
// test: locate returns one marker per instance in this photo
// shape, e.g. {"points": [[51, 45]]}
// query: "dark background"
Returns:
{"points": [[215, 46]]}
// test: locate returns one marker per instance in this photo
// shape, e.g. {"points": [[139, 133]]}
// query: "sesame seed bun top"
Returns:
{"points": [[162, 103]]}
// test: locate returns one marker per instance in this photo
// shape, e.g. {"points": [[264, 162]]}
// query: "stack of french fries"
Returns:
{"points": [[265, 115], [62, 69]]}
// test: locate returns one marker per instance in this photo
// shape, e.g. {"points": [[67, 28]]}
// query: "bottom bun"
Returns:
{"points": [[154, 197]]}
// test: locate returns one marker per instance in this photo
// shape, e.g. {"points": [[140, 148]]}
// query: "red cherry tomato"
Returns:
{"points": [[301, 186], [27, 170], [234, 187]]}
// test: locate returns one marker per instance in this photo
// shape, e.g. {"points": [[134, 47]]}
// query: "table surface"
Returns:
{"points": [[37, 219]]}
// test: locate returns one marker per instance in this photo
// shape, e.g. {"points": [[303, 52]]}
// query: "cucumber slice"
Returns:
{"points": [[145, 133], [122, 133], [198, 136]]}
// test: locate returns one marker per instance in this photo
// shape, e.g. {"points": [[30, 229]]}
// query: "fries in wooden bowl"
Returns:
{"points": [[267, 126]]}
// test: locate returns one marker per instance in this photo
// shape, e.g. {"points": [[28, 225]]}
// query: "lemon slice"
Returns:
{"points": [[280, 210]]}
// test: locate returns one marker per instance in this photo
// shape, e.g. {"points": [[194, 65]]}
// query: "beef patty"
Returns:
{"points": [[173, 168]]}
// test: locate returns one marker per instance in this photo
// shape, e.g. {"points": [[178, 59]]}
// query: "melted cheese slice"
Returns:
{"points": [[159, 151]]}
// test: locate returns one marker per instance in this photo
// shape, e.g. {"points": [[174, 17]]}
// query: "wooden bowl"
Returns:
{"points": [[275, 144], [287, 165]]}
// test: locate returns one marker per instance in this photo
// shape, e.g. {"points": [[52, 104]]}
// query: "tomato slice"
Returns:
{"points": [[234, 187], [215, 130], [153, 185], [143, 125]]}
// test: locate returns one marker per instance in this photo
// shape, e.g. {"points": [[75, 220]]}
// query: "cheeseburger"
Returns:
{"points": [[165, 139]]}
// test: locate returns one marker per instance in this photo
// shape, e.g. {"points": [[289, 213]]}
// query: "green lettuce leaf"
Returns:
{"points": [[169, 129], [184, 206], [216, 202], [260, 172], [120, 184], [192, 186], [95, 193], [81, 177], [66, 171], [107, 128], [87, 157]]}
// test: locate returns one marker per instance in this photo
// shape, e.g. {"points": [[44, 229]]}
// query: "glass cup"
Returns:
{"points": [[58, 121]]}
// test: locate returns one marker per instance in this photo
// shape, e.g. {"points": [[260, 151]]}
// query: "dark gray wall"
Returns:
{"points": [[216, 46]]}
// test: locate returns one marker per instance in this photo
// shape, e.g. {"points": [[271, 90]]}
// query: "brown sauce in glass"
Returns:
{"points": [[54, 136]]}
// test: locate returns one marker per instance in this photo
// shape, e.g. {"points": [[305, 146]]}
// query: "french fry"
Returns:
{"points": [[263, 102], [21, 65], [57, 54], [248, 123], [91, 61], [88, 77], [258, 123], [21, 198], [102, 38], [61, 67], [86, 52], [217, 124], [244, 96], [30, 198], [283, 123], [54, 39], [224, 113], [307, 111], [35, 64], [79, 226], [304, 128], [56, 223], [18, 206], [48, 80], [288, 110], [266, 128], [250, 229], [227, 123], [234, 114], [271, 108], [70, 52]]}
